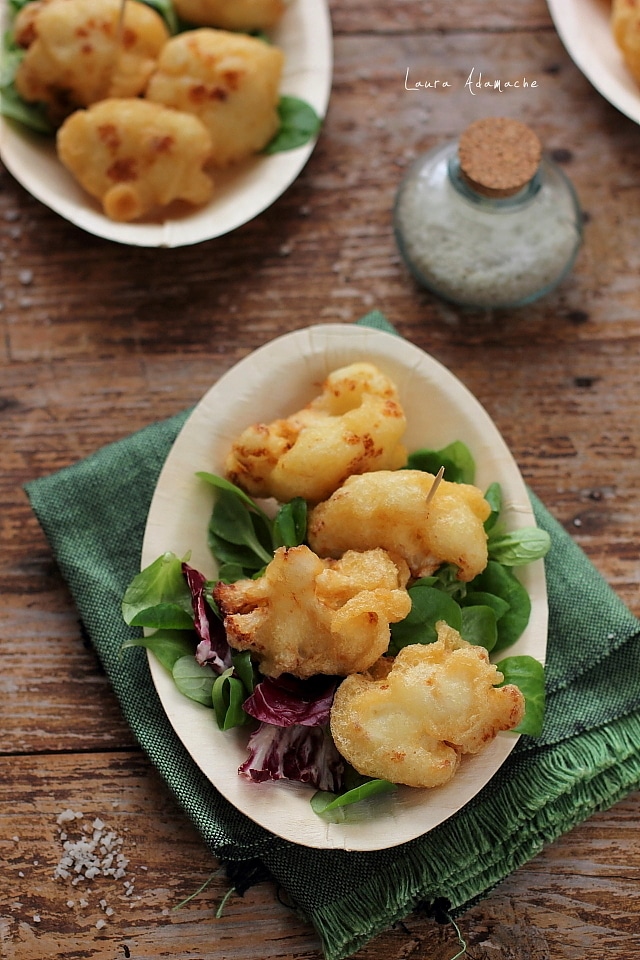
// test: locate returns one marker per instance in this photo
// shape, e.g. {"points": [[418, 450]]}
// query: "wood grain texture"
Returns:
{"points": [[99, 340]]}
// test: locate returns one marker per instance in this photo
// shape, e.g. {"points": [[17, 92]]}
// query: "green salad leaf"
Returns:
{"points": [[330, 806], [227, 695], [459, 465], [428, 606], [159, 597], [168, 646], [519, 547], [193, 680], [299, 123], [527, 673]]}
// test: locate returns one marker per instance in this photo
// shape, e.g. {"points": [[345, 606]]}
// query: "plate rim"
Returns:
{"points": [[571, 20], [279, 170], [309, 830]]}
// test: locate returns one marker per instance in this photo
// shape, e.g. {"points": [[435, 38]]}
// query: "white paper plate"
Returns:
{"points": [[274, 381], [585, 30], [304, 34]]}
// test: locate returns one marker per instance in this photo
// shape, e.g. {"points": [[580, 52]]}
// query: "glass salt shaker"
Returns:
{"points": [[488, 221]]}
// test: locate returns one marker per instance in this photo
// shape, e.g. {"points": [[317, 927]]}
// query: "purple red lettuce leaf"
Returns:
{"points": [[305, 754], [212, 648], [286, 701]]}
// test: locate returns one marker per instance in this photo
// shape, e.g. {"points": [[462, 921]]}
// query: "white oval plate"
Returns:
{"points": [[585, 30], [304, 33], [272, 382]]}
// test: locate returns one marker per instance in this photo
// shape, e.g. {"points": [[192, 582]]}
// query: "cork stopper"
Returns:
{"points": [[498, 156]]}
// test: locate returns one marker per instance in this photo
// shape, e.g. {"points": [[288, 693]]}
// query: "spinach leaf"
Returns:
{"points": [[502, 583], [299, 123], [168, 646], [519, 547], [159, 597], [479, 626], [476, 598], [194, 681], [230, 572], [244, 669], [527, 674], [428, 605], [232, 522], [290, 524], [493, 496], [459, 465], [232, 553], [446, 579], [227, 696], [223, 484], [329, 805]]}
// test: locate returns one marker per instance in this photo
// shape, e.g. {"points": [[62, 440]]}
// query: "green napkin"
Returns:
{"points": [[587, 758]]}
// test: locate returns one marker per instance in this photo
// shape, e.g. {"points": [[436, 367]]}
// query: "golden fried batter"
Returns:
{"points": [[625, 23], [135, 156], [307, 616], [247, 15], [438, 702], [230, 81], [79, 52], [390, 509], [355, 425]]}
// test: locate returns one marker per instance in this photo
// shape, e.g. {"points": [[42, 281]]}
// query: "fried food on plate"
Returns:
{"points": [[354, 425], [134, 156], [230, 81], [78, 52], [438, 702], [307, 616], [393, 509], [625, 23], [248, 15]]}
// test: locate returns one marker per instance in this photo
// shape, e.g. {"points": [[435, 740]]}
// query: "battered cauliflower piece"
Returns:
{"points": [[438, 702], [24, 25], [247, 15], [79, 52], [391, 509], [230, 81], [355, 425], [625, 23], [136, 156], [307, 616]]}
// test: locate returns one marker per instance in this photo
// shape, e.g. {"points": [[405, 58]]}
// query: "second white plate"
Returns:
{"points": [[304, 34], [274, 381], [585, 30]]}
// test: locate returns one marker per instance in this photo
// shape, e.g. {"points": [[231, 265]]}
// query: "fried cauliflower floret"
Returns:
{"points": [[247, 15], [391, 509], [307, 616], [230, 81], [135, 156], [438, 702], [24, 26], [353, 426], [80, 52], [625, 24]]}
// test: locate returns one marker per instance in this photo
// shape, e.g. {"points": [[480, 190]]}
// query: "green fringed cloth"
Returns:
{"points": [[587, 758]]}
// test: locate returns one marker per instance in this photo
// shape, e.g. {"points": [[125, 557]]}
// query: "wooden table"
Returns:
{"points": [[100, 339]]}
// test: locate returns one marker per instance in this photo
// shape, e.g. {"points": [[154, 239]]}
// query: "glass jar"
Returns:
{"points": [[488, 221]]}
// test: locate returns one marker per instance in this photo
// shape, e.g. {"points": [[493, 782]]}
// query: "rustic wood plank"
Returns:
{"points": [[98, 340], [580, 894]]}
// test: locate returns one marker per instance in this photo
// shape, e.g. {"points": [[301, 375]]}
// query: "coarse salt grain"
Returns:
{"points": [[96, 853]]}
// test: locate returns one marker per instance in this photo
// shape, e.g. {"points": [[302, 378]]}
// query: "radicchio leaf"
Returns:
{"points": [[287, 700], [213, 648], [306, 754]]}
